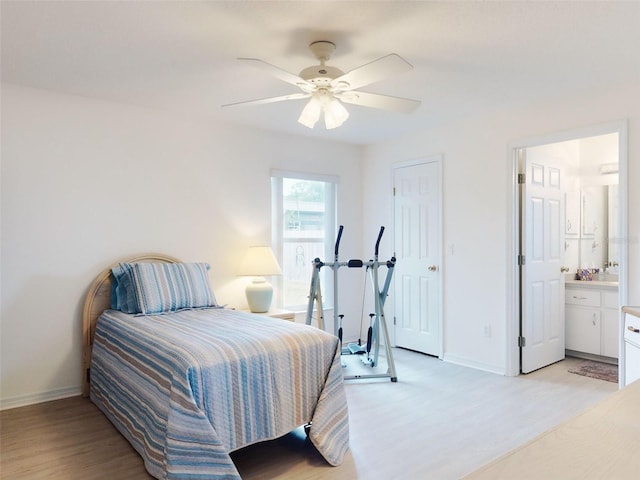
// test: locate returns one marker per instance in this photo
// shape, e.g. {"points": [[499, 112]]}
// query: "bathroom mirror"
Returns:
{"points": [[591, 230], [594, 227], [590, 188], [613, 222]]}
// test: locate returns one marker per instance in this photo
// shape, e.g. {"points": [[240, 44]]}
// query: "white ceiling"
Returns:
{"points": [[179, 56]]}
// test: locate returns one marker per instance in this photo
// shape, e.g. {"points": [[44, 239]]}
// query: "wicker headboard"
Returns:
{"points": [[98, 300]]}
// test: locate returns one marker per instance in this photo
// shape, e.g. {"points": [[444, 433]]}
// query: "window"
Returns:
{"points": [[304, 227]]}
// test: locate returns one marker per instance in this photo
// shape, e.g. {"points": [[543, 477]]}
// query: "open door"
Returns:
{"points": [[542, 339], [525, 306]]}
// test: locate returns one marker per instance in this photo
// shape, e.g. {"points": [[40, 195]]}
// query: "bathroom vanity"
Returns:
{"points": [[591, 319]]}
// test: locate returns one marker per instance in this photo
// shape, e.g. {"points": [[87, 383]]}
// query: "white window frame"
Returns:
{"points": [[277, 230]]}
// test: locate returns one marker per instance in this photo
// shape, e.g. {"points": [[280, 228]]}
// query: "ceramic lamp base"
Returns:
{"points": [[259, 294]]}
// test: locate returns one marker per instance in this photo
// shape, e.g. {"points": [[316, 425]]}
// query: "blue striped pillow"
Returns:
{"points": [[169, 287], [123, 295]]}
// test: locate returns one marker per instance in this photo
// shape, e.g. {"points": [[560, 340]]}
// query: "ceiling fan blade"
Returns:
{"points": [[293, 96], [278, 73], [383, 102], [372, 72]]}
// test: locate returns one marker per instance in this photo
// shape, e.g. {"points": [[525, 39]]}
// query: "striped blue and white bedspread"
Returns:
{"points": [[189, 387]]}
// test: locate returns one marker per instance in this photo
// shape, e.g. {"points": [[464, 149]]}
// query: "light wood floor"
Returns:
{"points": [[439, 421]]}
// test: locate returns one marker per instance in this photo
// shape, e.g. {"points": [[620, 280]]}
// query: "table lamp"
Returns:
{"points": [[259, 262]]}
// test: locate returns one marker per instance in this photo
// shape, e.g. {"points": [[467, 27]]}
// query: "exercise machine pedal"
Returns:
{"points": [[355, 349]]}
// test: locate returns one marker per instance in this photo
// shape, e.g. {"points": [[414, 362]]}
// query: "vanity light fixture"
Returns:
{"points": [[607, 168]]}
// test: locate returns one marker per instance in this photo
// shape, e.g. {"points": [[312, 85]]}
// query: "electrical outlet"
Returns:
{"points": [[487, 331]]}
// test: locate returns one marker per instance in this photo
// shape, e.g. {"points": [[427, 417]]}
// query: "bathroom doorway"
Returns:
{"points": [[578, 222]]}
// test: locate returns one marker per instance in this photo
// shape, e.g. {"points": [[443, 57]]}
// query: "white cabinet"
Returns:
{"points": [[609, 334], [583, 329], [591, 319], [632, 359], [610, 321], [631, 338]]}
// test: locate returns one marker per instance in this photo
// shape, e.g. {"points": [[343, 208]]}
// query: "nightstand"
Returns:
{"points": [[278, 313]]}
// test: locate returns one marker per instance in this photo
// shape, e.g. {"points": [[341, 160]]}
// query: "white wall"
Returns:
{"points": [[477, 201], [594, 153], [86, 183]]}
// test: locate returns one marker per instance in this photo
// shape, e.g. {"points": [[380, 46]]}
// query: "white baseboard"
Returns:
{"points": [[32, 399], [465, 362]]}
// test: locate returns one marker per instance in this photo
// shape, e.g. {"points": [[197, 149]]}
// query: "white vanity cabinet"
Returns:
{"points": [[591, 318], [610, 323], [631, 342]]}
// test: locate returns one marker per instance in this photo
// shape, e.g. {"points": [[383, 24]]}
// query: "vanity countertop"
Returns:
{"points": [[635, 311], [590, 284]]}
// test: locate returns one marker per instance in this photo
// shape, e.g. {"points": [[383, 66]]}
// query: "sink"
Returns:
{"points": [[605, 277]]}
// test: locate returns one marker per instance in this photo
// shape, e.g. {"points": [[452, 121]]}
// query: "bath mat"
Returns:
{"points": [[599, 370]]}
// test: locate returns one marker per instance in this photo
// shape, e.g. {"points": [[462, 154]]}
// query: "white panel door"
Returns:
{"points": [[417, 277], [543, 281]]}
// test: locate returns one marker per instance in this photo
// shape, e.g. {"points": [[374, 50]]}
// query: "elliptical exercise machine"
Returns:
{"points": [[377, 321]]}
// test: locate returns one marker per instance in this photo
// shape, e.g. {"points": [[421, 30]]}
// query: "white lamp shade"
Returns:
{"points": [[258, 262], [334, 114], [311, 113]]}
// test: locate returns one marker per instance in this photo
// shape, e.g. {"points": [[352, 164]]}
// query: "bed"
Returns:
{"points": [[188, 385]]}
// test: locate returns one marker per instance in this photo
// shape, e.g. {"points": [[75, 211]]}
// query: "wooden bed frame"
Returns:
{"points": [[98, 300]]}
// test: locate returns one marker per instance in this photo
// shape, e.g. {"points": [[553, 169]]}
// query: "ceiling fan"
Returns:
{"points": [[328, 86]]}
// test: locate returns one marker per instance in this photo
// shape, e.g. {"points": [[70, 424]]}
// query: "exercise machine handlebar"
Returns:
{"points": [[378, 241], [337, 247]]}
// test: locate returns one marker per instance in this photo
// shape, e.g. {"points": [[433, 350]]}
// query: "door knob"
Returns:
{"points": [[433, 268], [564, 269]]}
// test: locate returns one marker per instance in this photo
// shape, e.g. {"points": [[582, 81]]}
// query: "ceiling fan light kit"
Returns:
{"points": [[334, 114], [327, 87], [310, 114], [323, 101]]}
